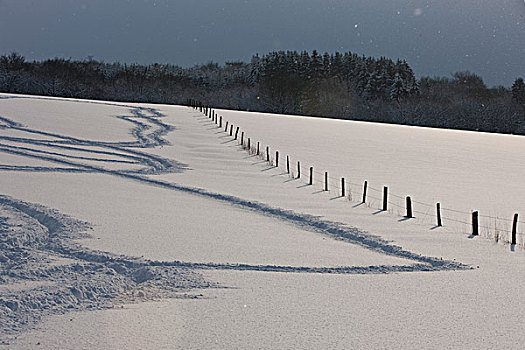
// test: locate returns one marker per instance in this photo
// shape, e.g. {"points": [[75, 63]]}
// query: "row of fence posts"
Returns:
{"points": [[210, 113]]}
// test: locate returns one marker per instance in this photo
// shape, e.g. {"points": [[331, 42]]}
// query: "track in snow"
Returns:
{"points": [[142, 120]]}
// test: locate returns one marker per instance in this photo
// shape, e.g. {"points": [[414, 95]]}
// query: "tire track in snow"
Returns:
{"points": [[34, 238], [159, 165], [143, 120], [304, 221]]}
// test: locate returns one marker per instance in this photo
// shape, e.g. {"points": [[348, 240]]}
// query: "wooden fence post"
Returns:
{"points": [[311, 175], [276, 159], [236, 133], [231, 130], [343, 192], [385, 198], [409, 208], [242, 139], [249, 145], [514, 228], [258, 148], [365, 187], [438, 211], [326, 180], [298, 169], [267, 153], [475, 223], [287, 164], [220, 122], [226, 128]]}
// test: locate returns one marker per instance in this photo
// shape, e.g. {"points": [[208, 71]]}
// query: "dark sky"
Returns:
{"points": [[436, 37]]}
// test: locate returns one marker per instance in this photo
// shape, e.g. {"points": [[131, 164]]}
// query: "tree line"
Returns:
{"points": [[339, 85]]}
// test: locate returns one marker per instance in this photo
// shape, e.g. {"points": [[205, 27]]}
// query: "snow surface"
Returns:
{"points": [[300, 267]]}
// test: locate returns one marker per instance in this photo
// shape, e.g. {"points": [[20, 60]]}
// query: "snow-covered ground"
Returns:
{"points": [[213, 247]]}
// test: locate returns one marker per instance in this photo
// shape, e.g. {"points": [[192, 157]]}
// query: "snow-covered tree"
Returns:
{"points": [[518, 91]]}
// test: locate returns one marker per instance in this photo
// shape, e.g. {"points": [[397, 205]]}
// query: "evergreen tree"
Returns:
{"points": [[398, 89], [518, 91], [316, 65]]}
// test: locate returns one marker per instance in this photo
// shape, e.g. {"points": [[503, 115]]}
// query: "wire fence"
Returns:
{"points": [[355, 191]]}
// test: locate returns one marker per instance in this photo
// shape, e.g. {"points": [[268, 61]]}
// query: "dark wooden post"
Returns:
{"points": [[287, 164], [267, 153], [220, 122], [226, 128], [231, 130], [409, 207], [326, 180], [242, 139], [298, 169], [258, 148], [365, 187], [385, 198], [438, 211], [514, 228], [236, 132], [311, 175], [343, 192], [276, 159], [475, 223], [249, 145]]}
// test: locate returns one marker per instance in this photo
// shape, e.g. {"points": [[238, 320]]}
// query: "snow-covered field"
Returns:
{"points": [[147, 226]]}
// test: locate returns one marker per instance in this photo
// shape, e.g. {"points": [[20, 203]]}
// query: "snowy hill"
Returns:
{"points": [[234, 250]]}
